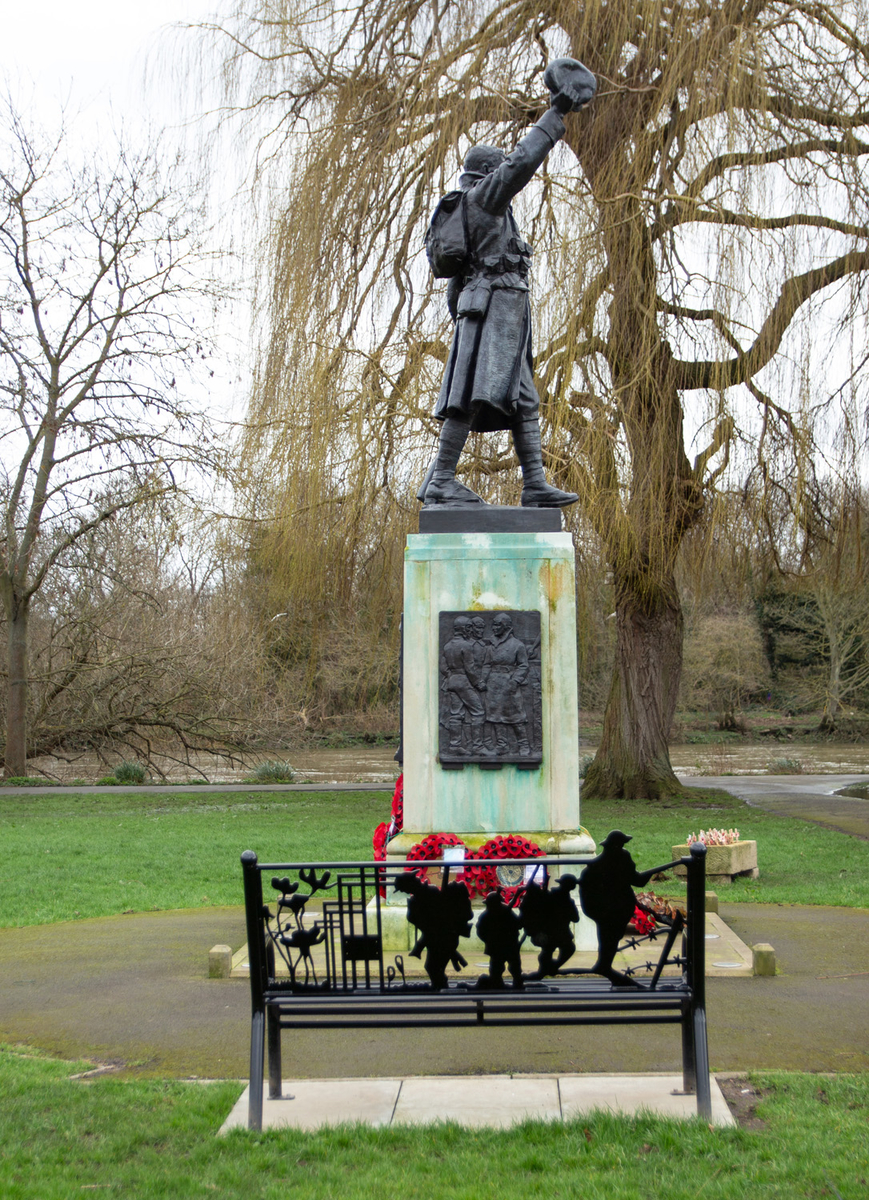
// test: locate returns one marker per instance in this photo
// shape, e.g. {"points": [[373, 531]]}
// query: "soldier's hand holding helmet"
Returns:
{"points": [[562, 103], [570, 83]]}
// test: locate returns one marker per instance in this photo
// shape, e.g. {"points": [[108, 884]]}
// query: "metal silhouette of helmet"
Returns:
{"points": [[616, 838]]}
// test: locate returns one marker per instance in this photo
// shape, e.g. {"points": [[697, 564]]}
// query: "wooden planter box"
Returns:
{"points": [[724, 863]]}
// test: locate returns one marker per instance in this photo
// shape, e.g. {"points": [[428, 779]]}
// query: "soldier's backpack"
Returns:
{"points": [[447, 241]]}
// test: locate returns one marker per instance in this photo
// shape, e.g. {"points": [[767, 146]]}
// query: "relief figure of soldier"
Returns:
{"points": [[463, 679], [507, 670]]}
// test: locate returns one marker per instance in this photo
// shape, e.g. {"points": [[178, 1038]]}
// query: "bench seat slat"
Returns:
{"points": [[396, 1021]]}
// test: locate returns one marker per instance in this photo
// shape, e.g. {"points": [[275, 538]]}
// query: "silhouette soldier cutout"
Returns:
{"points": [[547, 917], [499, 930], [442, 916], [607, 898]]}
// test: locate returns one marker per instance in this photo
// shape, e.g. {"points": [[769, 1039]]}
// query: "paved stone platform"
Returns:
{"points": [[491, 1101]]}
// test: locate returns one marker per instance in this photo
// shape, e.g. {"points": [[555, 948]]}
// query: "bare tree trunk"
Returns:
{"points": [[834, 702], [633, 759], [834, 677], [16, 713]]}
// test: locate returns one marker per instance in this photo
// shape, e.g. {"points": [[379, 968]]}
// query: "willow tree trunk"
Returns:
{"points": [[643, 535], [16, 706], [633, 759]]}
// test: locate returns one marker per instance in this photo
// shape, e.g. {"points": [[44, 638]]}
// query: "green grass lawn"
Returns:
{"points": [[73, 855], [61, 1137], [799, 863], [77, 855]]}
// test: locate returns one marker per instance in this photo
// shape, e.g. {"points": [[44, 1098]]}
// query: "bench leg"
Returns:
{"points": [[704, 1090], [255, 1095], [689, 1054], [274, 1050]]}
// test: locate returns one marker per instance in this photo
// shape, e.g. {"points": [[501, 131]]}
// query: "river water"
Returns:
{"points": [[376, 764]]}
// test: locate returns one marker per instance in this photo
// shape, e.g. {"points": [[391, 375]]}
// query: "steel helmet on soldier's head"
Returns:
{"points": [[616, 838], [570, 76], [481, 160]]}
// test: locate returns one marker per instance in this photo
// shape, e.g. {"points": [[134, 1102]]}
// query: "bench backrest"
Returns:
{"points": [[339, 908]]}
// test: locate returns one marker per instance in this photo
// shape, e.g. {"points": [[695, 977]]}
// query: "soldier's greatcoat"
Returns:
{"points": [[506, 671], [461, 677], [489, 379]]}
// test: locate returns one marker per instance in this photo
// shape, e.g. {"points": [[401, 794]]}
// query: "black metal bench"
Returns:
{"points": [[336, 974]]}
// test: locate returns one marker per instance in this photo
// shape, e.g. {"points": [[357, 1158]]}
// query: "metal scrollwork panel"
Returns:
{"points": [[338, 947]]}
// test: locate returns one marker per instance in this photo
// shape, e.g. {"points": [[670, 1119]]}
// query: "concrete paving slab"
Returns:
{"points": [[312, 1103], [726, 952], [630, 1094], [490, 1101], [473, 1101]]}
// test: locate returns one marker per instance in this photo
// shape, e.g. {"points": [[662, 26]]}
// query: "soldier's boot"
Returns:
{"points": [[478, 746], [455, 728], [443, 487], [502, 746], [522, 739], [536, 492]]}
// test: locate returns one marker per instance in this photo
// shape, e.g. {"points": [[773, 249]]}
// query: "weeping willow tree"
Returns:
{"points": [[696, 220]]}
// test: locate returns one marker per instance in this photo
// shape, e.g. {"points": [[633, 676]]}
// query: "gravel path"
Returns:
{"points": [[133, 990]]}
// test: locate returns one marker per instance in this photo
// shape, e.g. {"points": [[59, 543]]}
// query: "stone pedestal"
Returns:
{"points": [[472, 565], [480, 565], [486, 573]]}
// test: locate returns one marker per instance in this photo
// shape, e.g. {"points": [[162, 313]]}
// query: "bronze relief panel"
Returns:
{"points": [[490, 696]]}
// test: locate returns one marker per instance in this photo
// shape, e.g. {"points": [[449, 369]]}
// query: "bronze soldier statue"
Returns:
{"points": [[488, 383]]}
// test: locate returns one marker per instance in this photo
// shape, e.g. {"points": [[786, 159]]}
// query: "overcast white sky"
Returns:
{"points": [[89, 54], [91, 59]]}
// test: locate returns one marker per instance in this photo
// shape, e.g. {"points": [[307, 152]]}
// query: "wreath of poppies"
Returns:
{"points": [[482, 880], [431, 847], [387, 830]]}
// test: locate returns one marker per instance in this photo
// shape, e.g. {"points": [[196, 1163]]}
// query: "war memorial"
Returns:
{"points": [[489, 693], [489, 813]]}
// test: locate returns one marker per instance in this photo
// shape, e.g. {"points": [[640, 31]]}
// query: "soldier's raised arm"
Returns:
{"points": [[495, 191], [571, 86]]}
